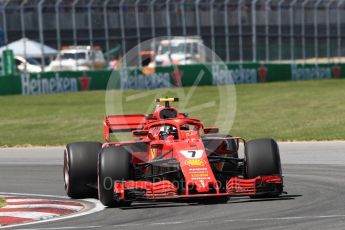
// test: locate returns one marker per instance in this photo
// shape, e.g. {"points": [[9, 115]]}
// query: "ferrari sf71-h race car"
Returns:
{"points": [[170, 160]]}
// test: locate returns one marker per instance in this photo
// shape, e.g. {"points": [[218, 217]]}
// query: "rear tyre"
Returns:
{"points": [[262, 159], [113, 164], [80, 169]]}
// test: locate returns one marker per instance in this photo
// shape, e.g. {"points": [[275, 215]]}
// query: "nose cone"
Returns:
{"points": [[195, 167]]}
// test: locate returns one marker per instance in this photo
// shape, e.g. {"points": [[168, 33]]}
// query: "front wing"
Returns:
{"points": [[166, 190]]}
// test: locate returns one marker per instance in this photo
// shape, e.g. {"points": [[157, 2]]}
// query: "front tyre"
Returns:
{"points": [[113, 164], [80, 169], [262, 158]]}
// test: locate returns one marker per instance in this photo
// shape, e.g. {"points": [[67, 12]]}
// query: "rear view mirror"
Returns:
{"points": [[139, 133], [210, 130]]}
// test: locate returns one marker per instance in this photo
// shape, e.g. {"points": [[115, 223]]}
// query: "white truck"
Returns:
{"points": [[179, 51], [78, 58]]}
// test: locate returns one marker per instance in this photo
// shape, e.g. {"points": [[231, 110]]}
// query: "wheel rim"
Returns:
{"points": [[66, 170]]}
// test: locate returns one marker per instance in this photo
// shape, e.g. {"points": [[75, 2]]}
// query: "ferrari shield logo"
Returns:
{"points": [[153, 153]]}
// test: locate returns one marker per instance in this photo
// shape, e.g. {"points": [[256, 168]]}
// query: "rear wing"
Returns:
{"points": [[123, 123]]}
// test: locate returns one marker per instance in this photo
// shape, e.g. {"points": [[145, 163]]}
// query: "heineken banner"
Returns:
{"points": [[53, 82], [162, 77]]}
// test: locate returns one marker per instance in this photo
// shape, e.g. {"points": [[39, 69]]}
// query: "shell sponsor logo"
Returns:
{"points": [[195, 162]]}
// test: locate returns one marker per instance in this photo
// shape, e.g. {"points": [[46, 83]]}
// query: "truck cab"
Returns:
{"points": [[78, 58], [179, 51]]}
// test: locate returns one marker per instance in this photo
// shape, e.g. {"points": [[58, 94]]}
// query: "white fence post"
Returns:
{"points": [[137, 23], [22, 22], [239, 18], [280, 29], [106, 27], [184, 26], [40, 27], [89, 17], [197, 17], [58, 32], [292, 30], [226, 25], [328, 29], [123, 35], [153, 25], [183, 17], [167, 18], [267, 29], [316, 31], [213, 42], [74, 25], [4, 23], [339, 40], [304, 30], [254, 29]]}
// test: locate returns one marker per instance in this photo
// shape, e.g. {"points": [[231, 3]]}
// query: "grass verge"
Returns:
{"points": [[306, 110], [2, 202]]}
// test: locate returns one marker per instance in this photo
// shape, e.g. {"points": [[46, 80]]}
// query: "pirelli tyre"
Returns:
{"points": [[262, 158], [114, 164], [80, 169]]}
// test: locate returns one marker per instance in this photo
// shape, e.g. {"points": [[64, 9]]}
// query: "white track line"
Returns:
{"points": [[59, 206], [97, 208], [8, 194], [11, 200], [62, 228], [287, 218], [30, 215], [121, 226]]}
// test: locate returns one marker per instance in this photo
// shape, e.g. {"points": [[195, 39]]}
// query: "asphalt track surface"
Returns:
{"points": [[314, 179]]}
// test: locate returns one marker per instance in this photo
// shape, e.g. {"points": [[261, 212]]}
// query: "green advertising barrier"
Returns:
{"points": [[161, 77], [316, 72], [53, 82], [8, 64], [10, 84]]}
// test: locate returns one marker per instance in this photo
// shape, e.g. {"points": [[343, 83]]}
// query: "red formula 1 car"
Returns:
{"points": [[170, 160]]}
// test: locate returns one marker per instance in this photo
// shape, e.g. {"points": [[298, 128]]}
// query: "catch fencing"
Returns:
{"points": [[297, 31]]}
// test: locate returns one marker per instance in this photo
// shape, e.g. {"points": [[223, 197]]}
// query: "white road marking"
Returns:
{"points": [[125, 225], [11, 200], [61, 228], [59, 206], [168, 223], [29, 215], [199, 221], [287, 218], [202, 221], [97, 208], [6, 194], [194, 221]]}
